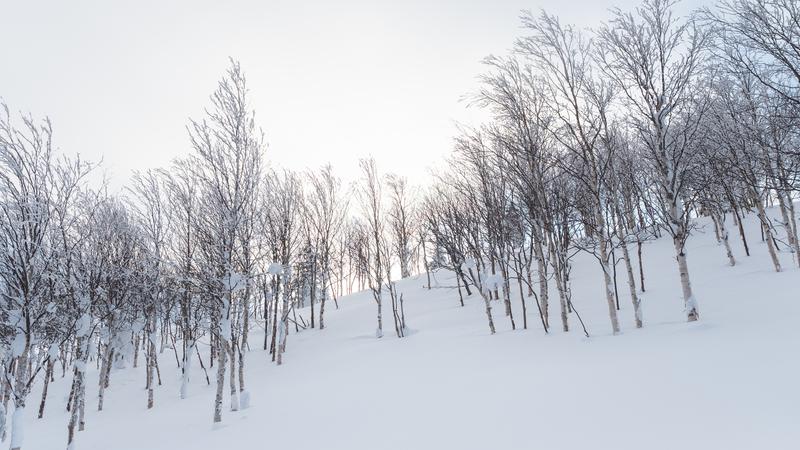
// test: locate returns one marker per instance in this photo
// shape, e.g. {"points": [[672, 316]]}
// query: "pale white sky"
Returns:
{"points": [[330, 80]]}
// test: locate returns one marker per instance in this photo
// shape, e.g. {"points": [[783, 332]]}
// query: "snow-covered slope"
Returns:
{"points": [[729, 381]]}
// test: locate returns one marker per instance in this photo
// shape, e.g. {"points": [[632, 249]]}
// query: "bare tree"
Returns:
{"points": [[325, 213], [656, 61], [182, 242], [580, 103], [284, 198], [370, 196], [226, 163], [762, 37], [402, 221], [27, 194]]}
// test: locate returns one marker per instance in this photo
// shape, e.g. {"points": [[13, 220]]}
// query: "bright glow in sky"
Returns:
{"points": [[331, 81]]}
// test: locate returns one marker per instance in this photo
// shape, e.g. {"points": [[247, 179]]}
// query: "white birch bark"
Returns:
{"points": [[635, 300], [542, 270], [222, 352], [487, 297], [20, 394], [562, 297], [723, 231], [765, 225], [607, 282], [186, 368], [787, 225]]}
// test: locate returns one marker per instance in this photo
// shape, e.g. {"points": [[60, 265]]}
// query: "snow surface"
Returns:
{"points": [[729, 381]]}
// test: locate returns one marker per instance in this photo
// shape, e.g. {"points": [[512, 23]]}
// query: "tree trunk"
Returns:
{"points": [[641, 266], [427, 267], [690, 304], [313, 294], [609, 289], [135, 350], [20, 391], [464, 282], [232, 377], [716, 228], [47, 375], [562, 298], [543, 294], [458, 286], [284, 330], [18, 424], [766, 228], [73, 416], [487, 296], [507, 294], [637, 311], [787, 225], [793, 220], [379, 331], [522, 296], [322, 301], [221, 354], [274, 300], [741, 227], [723, 231], [103, 381], [186, 367], [244, 397]]}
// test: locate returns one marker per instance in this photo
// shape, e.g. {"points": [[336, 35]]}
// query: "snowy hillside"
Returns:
{"points": [[728, 381]]}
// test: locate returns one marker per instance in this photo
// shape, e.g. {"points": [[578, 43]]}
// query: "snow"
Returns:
{"points": [[275, 269], [225, 327], [18, 344], [728, 381], [17, 428], [469, 263], [52, 352], [185, 377], [244, 399], [235, 282], [79, 365], [492, 281], [84, 325], [691, 305]]}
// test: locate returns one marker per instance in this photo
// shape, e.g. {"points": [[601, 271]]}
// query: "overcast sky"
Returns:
{"points": [[331, 81]]}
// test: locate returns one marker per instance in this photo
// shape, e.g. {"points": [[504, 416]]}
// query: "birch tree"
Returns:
{"points": [[26, 195], [325, 212], [370, 197], [656, 60], [580, 103], [226, 163]]}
